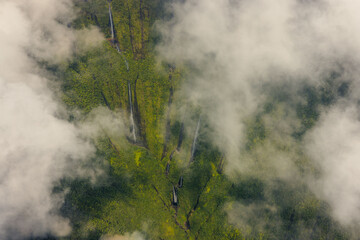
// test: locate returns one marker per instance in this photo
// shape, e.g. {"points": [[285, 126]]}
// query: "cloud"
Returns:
{"points": [[236, 50], [239, 46], [87, 39], [335, 145], [101, 122], [38, 145]]}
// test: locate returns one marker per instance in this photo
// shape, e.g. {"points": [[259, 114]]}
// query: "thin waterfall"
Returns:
{"points": [[119, 51], [111, 25], [193, 146], [181, 182], [126, 62], [175, 198], [113, 40], [132, 123]]}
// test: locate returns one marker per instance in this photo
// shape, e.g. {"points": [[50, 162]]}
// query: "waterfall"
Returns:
{"points": [[167, 169], [119, 51], [126, 63], [175, 198], [181, 182], [111, 25], [193, 146], [132, 123], [113, 38]]}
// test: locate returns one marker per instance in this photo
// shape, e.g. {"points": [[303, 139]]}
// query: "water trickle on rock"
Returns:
{"points": [[132, 122]]}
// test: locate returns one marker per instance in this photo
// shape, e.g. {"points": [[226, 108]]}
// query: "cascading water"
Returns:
{"points": [[132, 123], [181, 136], [119, 51], [193, 146], [111, 25], [113, 38], [175, 198], [126, 62]]}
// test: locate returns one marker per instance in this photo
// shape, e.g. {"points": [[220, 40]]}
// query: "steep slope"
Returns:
{"points": [[138, 194]]}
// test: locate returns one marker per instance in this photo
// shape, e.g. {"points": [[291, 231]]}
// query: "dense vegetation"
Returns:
{"points": [[138, 193]]}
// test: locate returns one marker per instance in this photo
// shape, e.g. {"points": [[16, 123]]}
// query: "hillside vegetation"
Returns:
{"points": [[138, 192]]}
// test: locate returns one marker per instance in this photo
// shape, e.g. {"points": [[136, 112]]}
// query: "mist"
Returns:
{"points": [[334, 145], [250, 65], [245, 55], [38, 145]]}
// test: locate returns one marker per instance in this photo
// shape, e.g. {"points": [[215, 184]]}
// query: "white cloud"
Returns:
{"points": [[335, 145], [38, 146], [237, 47]]}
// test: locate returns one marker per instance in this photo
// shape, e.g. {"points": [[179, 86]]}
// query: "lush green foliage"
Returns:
{"points": [[137, 195]]}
